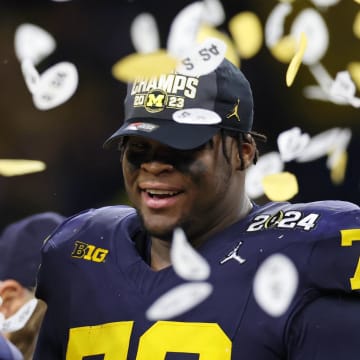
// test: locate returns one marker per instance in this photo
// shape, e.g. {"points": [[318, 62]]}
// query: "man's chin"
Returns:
{"points": [[158, 231]]}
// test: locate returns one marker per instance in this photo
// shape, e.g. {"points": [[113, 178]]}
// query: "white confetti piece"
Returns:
{"points": [[324, 3], [204, 58], [325, 143], [57, 84], [31, 75], [267, 164], [144, 33], [214, 13], [310, 22], [291, 143], [344, 88], [275, 284], [274, 26], [178, 300], [187, 262], [184, 29], [33, 43]]}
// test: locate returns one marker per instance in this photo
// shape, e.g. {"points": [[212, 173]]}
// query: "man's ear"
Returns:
{"points": [[248, 154], [13, 295]]}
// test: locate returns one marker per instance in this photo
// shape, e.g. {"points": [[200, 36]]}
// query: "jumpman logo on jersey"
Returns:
{"points": [[233, 254], [235, 111]]}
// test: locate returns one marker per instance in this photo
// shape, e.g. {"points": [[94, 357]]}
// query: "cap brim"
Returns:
{"points": [[168, 132]]}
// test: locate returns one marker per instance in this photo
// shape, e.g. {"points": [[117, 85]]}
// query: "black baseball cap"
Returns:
{"points": [[20, 244], [184, 112]]}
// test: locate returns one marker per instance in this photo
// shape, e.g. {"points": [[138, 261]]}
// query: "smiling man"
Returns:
{"points": [[284, 278]]}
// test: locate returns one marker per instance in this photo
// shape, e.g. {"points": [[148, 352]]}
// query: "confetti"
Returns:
{"points": [[187, 262], [204, 58], [209, 32], [246, 30], [214, 13], [291, 143], [285, 49], [33, 43], [275, 284], [325, 143], [184, 29], [57, 84], [178, 300], [274, 25], [269, 163], [310, 22], [31, 76], [344, 88], [296, 61], [281, 186], [15, 167], [356, 25], [339, 161], [324, 3], [144, 34], [136, 66], [354, 70]]}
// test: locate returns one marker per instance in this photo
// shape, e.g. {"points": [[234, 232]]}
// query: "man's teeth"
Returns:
{"points": [[154, 192]]}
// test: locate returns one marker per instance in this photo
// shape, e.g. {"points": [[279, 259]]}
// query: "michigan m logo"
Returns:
{"points": [[156, 100]]}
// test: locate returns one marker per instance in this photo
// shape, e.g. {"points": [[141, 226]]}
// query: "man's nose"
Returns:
{"points": [[156, 167]]}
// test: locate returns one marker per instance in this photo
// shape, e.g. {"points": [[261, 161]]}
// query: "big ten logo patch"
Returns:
{"points": [[89, 252]]}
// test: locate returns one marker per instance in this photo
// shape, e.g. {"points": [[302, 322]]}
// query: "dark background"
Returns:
{"points": [[94, 35]]}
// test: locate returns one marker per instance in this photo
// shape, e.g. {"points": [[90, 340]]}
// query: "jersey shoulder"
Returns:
{"points": [[98, 220]]}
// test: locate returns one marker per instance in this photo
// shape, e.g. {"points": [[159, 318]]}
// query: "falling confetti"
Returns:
{"points": [[281, 186], [275, 284], [187, 262], [33, 43], [296, 61], [178, 300], [136, 66], [204, 58], [338, 168], [144, 34], [15, 167], [246, 30], [291, 143], [231, 52], [269, 163], [57, 84]]}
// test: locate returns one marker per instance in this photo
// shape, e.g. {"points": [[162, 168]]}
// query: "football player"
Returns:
{"points": [[272, 282]]}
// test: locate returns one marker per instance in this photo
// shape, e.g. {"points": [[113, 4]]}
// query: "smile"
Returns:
{"points": [[153, 193]]}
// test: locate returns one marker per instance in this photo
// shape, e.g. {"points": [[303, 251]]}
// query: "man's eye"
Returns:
{"points": [[137, 146]]}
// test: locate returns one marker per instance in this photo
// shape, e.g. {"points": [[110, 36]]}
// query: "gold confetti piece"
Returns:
{"points": [[356, 25], [231, 53], [337, 173], [147, 65], [284, 50], [281, 186], [15, 167], [296, 61], [247, 32], [357, 1], [354, 70]]}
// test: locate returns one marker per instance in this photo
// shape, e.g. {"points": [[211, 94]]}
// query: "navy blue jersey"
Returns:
{"points": [[98, 285], [8, 351]]}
